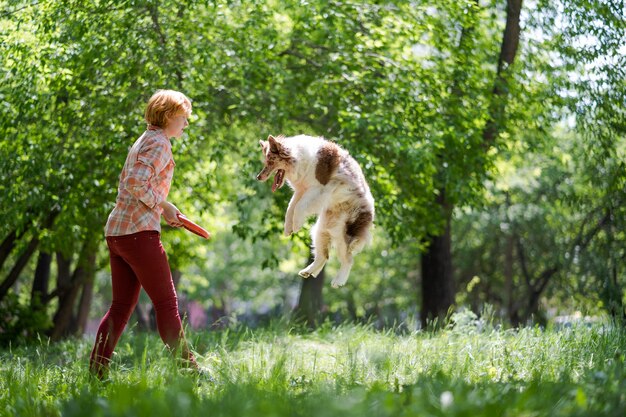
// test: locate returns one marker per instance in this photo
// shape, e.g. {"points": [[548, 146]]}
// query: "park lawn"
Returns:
{"points": [[472, 369]]}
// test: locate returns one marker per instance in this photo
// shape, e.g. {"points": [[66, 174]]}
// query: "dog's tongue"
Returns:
{"points": [[278, 180]]}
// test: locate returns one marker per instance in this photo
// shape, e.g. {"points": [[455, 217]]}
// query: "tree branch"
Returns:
{"points": [[508, 51], [153, 9], [6, 13]]}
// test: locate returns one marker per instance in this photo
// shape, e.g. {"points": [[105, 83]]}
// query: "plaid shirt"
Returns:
{"points": [[144, 183]]}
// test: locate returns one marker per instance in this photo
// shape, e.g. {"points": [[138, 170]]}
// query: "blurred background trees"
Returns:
{"points": [[492, 135]]}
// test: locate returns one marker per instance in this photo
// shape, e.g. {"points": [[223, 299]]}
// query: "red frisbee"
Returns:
{"points": [[193, 227]]}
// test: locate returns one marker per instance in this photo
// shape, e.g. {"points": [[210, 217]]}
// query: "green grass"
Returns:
{"points": [[469, 370]]}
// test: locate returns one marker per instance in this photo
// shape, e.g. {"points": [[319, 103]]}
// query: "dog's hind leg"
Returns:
{"points": [[357, 244], [321, 247], [346, 260]]}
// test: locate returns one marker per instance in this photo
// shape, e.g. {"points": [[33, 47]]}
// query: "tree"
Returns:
{"points": [[553, 204], [430, 99]]}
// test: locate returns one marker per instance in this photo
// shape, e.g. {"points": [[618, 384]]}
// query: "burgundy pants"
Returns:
{"points": [[137, 261]]}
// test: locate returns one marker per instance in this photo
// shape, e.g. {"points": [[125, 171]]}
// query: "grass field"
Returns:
{"points": [[469, 370]]}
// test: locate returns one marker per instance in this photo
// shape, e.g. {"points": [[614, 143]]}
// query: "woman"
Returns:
{"points": [[133, 229]]}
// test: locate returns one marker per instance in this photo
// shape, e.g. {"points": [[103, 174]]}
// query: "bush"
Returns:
{"points": [[20, 322]]}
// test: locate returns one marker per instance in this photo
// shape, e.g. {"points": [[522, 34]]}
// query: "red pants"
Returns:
{"points": [[138, 260]]}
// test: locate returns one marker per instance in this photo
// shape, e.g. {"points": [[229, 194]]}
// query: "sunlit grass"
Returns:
{"points": [[472, 369]]}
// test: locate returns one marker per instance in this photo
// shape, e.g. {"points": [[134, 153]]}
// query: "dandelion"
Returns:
{"points": [[446, 399]]}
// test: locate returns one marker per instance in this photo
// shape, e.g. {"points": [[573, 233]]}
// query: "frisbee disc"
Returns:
{"points": [[193, 227]]}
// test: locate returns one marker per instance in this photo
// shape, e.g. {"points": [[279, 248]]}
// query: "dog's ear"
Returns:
{"points": [[263, 145], [274, 144]]}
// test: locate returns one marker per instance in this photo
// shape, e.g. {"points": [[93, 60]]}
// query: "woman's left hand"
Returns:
{"points": [[170, 213]]}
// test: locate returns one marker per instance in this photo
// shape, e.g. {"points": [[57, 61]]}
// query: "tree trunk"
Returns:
{"points": [[437, 280], [64, 316], [41, 282], [508, 52], [508, 266], [612, 292], [69, 287], [9, 241], [613, 296], [18, 267], [532, 310], [509, 301], [311, 301], [143, 318], [436, 261], [176, 276], [42, 279], [7, 246], [87, 295], [67, 295], [64, 268]]}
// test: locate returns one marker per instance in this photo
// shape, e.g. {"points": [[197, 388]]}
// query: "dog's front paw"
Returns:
{"points": [[297, 224], [288, 229]]}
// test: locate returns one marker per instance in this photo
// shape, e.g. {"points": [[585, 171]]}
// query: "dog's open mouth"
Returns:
{"points": [[279, 179]]}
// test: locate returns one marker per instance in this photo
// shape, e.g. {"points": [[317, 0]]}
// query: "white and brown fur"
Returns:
{"points": [[326, 182]]}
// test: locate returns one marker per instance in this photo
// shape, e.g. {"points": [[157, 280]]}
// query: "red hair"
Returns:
{"points": [[164, 105]]}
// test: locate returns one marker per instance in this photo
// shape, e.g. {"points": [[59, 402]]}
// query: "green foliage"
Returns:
{"points": [[557, 192], [21, 322], [467, 369], [545, 215], [406, 87]]}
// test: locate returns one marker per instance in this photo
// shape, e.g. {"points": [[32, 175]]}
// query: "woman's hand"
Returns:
{"points": [[170, 213]]}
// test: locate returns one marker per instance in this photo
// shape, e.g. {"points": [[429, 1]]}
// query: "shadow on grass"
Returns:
{"points": [[436, 395]]}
